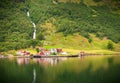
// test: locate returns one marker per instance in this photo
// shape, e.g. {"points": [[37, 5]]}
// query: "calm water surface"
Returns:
{"points": [[89, 69]]}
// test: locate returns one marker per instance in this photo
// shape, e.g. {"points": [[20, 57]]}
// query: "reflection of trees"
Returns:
{"points": [[101, 75], [61, 73], [110, 61]]}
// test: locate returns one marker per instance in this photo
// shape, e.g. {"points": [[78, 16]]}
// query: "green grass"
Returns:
{"points": [[76, 41], [73, 44]]}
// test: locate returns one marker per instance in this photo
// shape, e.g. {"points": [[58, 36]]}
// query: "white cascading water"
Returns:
{"points": [[34, 32], [28, 13]]}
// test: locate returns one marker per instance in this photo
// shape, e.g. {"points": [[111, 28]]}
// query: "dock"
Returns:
{"points": [[60, 56], [54, 56]]}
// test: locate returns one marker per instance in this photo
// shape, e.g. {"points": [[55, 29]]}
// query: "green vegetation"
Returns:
{"points": [[37, 50], [97, 0], [110, 46], [16, 29], [103, 24]]}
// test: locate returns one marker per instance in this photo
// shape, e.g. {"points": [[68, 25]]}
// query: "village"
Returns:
{"points": [[41, 51]]}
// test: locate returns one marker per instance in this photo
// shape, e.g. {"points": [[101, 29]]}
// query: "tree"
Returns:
{"points": [[89, 40], [37, 50], [110, 45], [33, 43], [40, 37]]}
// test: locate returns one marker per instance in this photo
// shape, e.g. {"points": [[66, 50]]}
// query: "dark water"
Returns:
{"points": [[89, 69]]}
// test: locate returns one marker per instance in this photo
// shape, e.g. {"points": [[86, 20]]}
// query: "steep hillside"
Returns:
{"points": [[57, 22]]}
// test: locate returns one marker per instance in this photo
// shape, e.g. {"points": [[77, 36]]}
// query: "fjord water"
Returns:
{"points": [[88, 69]]}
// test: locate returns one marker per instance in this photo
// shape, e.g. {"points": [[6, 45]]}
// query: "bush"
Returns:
{"points": [[33, 43], [110, 45], [90, 40], [37, 50], [40, 37], [54, 53]]}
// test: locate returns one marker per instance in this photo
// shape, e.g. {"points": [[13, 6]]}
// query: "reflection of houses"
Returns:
{"points": [[54, 61], [21, 61], [41, 61], [46, 61]]}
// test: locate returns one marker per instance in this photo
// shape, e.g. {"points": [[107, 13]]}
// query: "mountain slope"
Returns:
{"points": [[53, 17]]}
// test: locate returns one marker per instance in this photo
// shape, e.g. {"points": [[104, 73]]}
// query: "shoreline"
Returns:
{"points": [[59, 56], [69, 52]]}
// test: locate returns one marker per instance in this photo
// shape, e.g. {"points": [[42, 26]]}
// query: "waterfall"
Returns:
{"points": [[34, 25], [34, 31], [28, 14], [34, 34]]}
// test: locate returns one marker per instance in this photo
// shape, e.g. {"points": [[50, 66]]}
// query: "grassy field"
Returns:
{"points": [[76, 41]]}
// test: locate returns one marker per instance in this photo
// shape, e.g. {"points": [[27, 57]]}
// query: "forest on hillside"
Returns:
{"points": [[16, 29]]}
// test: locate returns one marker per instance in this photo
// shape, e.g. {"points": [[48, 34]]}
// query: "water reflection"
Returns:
{"points": [[41, 61], [34, 75], [22, 61], [88, 69]]}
